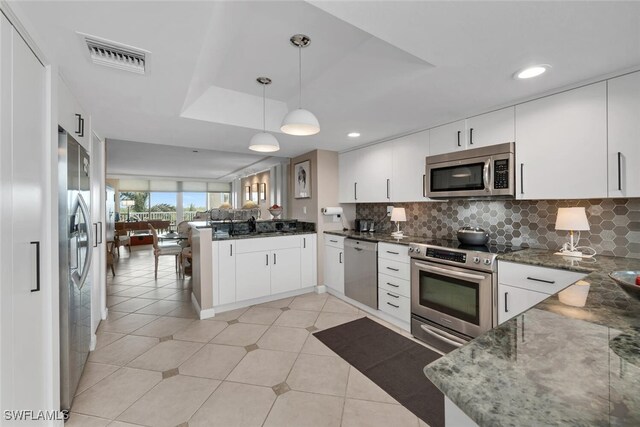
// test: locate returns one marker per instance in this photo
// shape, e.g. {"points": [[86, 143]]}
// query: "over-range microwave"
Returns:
{"points": [[479, 172]]}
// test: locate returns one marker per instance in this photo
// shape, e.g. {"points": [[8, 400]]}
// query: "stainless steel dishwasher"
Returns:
{"points": [[361, 271]]}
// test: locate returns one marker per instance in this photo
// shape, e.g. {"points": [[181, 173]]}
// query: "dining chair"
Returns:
{"points": [[122, 238], [163, 249], [111, 255], [186, 255]]}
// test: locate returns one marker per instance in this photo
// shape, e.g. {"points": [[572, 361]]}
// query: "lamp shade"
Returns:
{"points": [[264, 142], [127, 202], [398, 215], [572, 219], [300, 122]]}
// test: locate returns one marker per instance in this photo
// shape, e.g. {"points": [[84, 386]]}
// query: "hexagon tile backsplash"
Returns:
{"points": [[615, 223]]}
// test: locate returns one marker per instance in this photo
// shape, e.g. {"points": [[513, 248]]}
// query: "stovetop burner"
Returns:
{"points": [[455, 244], [452, 252]]}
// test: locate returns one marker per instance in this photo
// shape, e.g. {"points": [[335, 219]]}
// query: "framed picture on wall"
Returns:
{"points": [[247, 193], [262, 193], [255, 188], [302, 180]]}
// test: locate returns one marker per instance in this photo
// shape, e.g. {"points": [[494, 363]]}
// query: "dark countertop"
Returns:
{"points": [[553, 364], [261, 235], [379, 237]]}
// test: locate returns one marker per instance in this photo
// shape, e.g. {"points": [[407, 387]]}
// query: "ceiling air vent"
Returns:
{"points": [[116, 55]]}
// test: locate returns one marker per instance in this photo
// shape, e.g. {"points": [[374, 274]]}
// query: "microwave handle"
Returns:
{"points": [[487, 175], [450, 273], [443, 336]]}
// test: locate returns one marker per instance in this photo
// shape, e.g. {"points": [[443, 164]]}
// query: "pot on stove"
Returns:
{"points": [[475, 236]]}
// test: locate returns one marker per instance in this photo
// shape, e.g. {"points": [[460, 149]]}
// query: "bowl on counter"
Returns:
{"points": [[275, 212], [627, 281]]}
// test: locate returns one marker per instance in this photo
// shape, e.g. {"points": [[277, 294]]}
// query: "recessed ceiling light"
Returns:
{"points": [[353, 134], [533, 71], [195, 151]]}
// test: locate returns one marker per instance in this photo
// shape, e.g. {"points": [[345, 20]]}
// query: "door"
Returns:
{"points": [[447, 138], [253, 275], [459, 299], [334, 268], [624, 135], [226, 272], [492, 128], [561, 148], [348, 176], [374, 173], [513, 301], [99, 282], [285, 270], [408, 181], [308, 276], [25, 289]]}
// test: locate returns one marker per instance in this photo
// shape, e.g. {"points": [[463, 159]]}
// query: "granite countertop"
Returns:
{"points": [[379, 237], [262, 235], [554, 364]]}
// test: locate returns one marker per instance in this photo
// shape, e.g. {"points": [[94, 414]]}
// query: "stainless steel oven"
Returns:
{"points": [[452, 293], [479, 172]]}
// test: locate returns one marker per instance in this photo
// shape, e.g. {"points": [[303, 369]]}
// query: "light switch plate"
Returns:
{"points": [[389, 209]]}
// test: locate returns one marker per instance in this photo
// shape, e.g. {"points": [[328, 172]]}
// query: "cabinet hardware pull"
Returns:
{"points": [[267, 255], [393, 305], [541, 280], [392, 295], [37, 289], [304, 243], [506, 307], [394, 253], [355, 191], [100, 222], [231, 249], [95, 233], [619, 171], [333, 241], [424, 185], [388, 188], [391, 284], [340, 257], [393, 269], [459, 139], [521, 178], [275, 260], [471, 136], [79, 124]]}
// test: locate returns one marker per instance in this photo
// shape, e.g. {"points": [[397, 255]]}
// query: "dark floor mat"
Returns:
{"points": [[393, 362]]}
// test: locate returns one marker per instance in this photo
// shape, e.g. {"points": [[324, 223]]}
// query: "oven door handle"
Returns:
{"points": [[443, 336], [457, 274]]}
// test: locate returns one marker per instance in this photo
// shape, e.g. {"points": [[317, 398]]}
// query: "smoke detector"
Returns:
{"points": [[116, 55]]}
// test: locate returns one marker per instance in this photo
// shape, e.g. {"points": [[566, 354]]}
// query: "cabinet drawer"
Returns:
{"points": [[335, 241], [394, 268], [395, 285], [534, 278], [394, 305], [261, 244], [398, 253]]}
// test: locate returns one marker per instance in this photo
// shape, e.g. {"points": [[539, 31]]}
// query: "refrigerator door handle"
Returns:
{"points": [[80, 278]]}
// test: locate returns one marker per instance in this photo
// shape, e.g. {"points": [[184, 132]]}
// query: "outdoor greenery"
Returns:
{"points": [[140, 199]]}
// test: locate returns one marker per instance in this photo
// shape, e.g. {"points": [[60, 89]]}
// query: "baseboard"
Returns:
{"points": [[202, 314], [321, 289], [261, 300], [105, 313], [94, 342]]}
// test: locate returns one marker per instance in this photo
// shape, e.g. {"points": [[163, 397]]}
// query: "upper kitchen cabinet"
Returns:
{"points": [[492, 128], [624, 135], [365, 174], [561, 145], [447, 138], [408, 179], [71, 116]]}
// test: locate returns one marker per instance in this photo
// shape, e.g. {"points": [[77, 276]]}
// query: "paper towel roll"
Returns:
{"points": [[331, 211]]}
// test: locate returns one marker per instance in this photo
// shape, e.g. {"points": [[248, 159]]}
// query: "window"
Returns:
{"points": [[163, 206], [193, 202], [134, 206], [218, 198]]}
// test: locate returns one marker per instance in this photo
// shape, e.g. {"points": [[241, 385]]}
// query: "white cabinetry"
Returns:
{"points": [[521, 286], [561, 145], [447, 138], [225, 261], [374, 173], [624, 135], [285, 270], [253, 275], [72, 117], [26, 295], [334, 262], [349, 171], [394, 290], [408, 179], [308, 261]]}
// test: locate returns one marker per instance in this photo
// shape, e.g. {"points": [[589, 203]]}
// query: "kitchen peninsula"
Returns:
{"points": [[238, 264]]}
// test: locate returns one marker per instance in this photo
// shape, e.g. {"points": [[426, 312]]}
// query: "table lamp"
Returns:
{"points": [[572, 219], [128, 203], [398, 215]]}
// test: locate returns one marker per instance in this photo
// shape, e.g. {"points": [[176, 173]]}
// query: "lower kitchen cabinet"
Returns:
{"points": [[308, 261], [334, 263], [394, 290], [285, 270], [226, 268], [253, 275], [513, 301], [394, 304]]}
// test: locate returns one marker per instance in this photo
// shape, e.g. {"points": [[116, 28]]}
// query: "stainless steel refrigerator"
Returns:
{"points": [[75, 250]]}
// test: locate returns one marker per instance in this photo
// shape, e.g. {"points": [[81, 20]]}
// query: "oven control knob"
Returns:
{"points": [[410, 249], [476, 260], [417, 250], [486, 261]]}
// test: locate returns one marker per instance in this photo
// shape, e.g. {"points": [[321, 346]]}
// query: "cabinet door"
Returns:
{"points": [[624, 135], [68, 119], [226, 272], [513, 301], [26, 327], [492, 128], [285, 270], [308, 270], [374, 173], [348, 176], [561, 145], [447, 138], [253, 275], [409, 156], [334, 268]]}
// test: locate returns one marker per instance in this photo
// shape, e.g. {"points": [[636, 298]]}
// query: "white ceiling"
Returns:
{"points": [[382, 68]]}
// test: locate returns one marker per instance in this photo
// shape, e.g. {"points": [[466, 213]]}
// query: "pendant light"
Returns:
{"points": [[300, 122], [264, 142]]}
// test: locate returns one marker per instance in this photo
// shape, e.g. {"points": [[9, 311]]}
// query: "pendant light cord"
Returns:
{"points": [[264, 109], [300, 76]]}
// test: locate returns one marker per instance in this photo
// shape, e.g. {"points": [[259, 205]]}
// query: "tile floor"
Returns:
{"points": [[155, 364]]}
